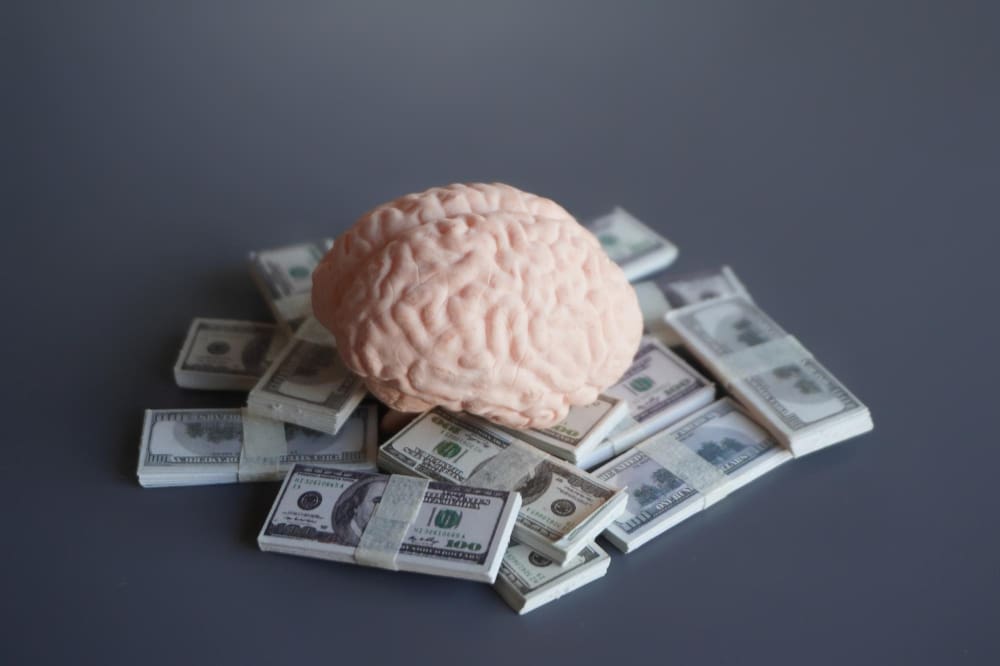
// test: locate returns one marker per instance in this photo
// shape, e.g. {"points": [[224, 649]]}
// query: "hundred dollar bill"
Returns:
{"points": [[226, 354], [528, 580], [563, 509], [179, 445], [583, 429], [664, 292], [639, 250], [284, 277], [660, 388], [686, 468], [391, 522], [774, 376], [308, 384], [188, 447]]}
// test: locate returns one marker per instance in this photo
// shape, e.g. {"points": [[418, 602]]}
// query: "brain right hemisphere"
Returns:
{"points": [[513, 313]]}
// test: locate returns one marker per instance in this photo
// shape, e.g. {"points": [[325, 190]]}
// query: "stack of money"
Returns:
{"points": [[582, 431], [528, 580], [770, 373], [194, 447], [308, 384], [662, 293], [227, 354], [391, 522], [639, 250], [687, 468], [284, 277], [564, 507], [660, 388]]}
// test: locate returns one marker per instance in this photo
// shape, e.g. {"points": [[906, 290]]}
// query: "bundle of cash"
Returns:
{"points": [[227, 354], [194, 447], [564, 507], [308, 384], [391, 522], [686, 468], [284, 277], [528, 580], [774, 376], [639, 250], [581, 432], [662, 293], [660, 388]]}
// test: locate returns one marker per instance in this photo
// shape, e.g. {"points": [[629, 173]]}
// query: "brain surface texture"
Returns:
{"points": [[478, 298]]}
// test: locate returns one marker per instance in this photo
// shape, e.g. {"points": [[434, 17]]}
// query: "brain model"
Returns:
{"points": [[478, 298]]}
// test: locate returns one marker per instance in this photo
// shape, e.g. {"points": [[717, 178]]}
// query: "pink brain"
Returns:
{"points": [[478, 298]]}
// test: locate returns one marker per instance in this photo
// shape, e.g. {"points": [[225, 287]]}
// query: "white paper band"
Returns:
{"points": [[313, 331], [294, 306], [763, 358], [264, 445], [685, 464], [504, 470], [396, 511]]}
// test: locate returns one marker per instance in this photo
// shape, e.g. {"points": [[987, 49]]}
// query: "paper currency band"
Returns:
{"points": [[294, 306], [504, 470], [762, 358], [684, 463], [396, 511], [264, 446], [313, 331]]}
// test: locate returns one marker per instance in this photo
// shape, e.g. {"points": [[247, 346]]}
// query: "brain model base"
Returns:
{"points": [[478, 298]]}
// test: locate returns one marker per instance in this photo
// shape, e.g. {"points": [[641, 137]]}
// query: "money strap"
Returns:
{"points": [[685, 464], [652, 303], [294, 305], [264, 445], [504, 470], [762, 358], [396, 511], [314, 332]]}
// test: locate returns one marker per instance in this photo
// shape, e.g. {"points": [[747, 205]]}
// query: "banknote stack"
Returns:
{"points": [[391, 522], [189, 447], [664, 292], [581, 433], [227, 354], [770, 373], [528, 580], [687, 468], [639, 250], [308, 384], [660, 388], [564, 508], [284, 277]]}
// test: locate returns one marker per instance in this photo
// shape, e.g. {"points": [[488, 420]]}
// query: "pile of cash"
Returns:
{"points": [[564, 508], [716, 396]]}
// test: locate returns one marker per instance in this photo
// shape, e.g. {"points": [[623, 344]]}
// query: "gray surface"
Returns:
{"points": [[845, 159]]}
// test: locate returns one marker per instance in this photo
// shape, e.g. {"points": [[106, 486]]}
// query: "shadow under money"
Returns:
{"points": [[257, 504]]}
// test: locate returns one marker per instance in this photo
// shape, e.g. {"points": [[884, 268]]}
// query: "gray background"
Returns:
{"points": [[842, 157]]}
